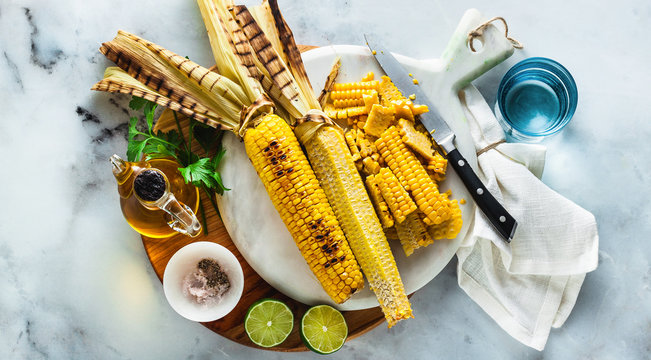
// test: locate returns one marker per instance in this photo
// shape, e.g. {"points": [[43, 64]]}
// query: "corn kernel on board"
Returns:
{"points": [[231, 326], [263, 239]]}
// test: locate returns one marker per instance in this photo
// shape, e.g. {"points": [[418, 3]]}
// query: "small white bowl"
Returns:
{"points": [[184, 262]]}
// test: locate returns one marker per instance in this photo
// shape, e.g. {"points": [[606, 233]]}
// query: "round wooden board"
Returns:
{"points": [[231, 326]]}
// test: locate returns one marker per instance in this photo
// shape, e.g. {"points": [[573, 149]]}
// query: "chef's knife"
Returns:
{"points": [[503, 222]]}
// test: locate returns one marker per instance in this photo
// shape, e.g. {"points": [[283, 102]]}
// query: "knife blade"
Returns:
{"points": [[438, 128]]}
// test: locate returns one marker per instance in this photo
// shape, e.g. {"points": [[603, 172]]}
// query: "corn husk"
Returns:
{"points": [[150, 71]]}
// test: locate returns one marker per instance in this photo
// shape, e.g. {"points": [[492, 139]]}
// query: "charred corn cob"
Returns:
{"points": [[448, 229], [412, 233], [381, 206], [302, 204], [413, 177], [343, 186]]}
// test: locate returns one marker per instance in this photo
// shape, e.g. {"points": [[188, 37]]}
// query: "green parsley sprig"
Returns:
{"points": [[200, 171]]}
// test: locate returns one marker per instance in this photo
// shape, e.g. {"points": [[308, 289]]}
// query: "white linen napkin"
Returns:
{"points": [[532, 284]]}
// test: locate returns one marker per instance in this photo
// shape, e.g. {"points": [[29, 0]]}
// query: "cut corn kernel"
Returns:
{"points": [[368, 77]]}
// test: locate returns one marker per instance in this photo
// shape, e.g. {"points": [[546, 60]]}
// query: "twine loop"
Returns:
{"points": [[479, 31], [490, 147], [249, 113]]}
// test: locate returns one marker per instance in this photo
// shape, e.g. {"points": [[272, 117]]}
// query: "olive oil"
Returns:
{"points": [[148, 221]]}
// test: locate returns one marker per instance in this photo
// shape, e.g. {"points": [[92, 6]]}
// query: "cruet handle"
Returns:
{"points": [[183, 220]]}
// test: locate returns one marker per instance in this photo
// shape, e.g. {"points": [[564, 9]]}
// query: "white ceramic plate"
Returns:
{"points": [[260, 235]]}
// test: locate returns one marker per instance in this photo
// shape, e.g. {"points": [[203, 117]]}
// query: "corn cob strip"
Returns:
{"points": [[343, 186], [302, 204], [381, 206], [413, 234], [448, 229], [360, 85], [344, 103], [397, 198], [413, 177]]}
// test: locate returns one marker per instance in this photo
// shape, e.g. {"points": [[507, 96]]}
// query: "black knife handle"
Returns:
{"points": [[503, 222]]}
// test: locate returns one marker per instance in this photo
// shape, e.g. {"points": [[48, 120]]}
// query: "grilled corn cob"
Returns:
{"points": [[413, 177], [302, 204], [343, 186]]}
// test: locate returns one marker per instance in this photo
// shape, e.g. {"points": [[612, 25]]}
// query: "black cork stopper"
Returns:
{"points": [[149, 185]]}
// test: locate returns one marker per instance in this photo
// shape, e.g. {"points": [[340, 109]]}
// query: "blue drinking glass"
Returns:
{"points": [[536, 98]]}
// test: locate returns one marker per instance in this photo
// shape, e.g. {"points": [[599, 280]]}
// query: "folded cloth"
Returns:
{"points": [[532, 284]]}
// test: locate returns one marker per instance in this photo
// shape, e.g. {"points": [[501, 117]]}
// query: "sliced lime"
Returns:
{"points": [[268, 322], [323, 329]]}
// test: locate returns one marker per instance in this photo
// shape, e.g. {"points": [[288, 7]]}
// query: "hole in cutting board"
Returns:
{"points": [[477, 44]]}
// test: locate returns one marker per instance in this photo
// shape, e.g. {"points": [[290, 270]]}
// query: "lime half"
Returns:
{"points": [[268, 322], [323, 329]]}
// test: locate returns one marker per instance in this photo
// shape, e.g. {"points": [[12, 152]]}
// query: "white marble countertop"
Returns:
{"points": [[75, 282]]}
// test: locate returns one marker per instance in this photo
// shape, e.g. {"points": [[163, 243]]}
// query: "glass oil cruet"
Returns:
{"points": [[153, 197]]}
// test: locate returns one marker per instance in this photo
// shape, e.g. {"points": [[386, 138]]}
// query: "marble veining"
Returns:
{"points": [[75, 282]]}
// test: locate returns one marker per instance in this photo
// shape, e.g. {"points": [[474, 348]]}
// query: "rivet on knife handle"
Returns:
{"points": [[503, 222]]}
